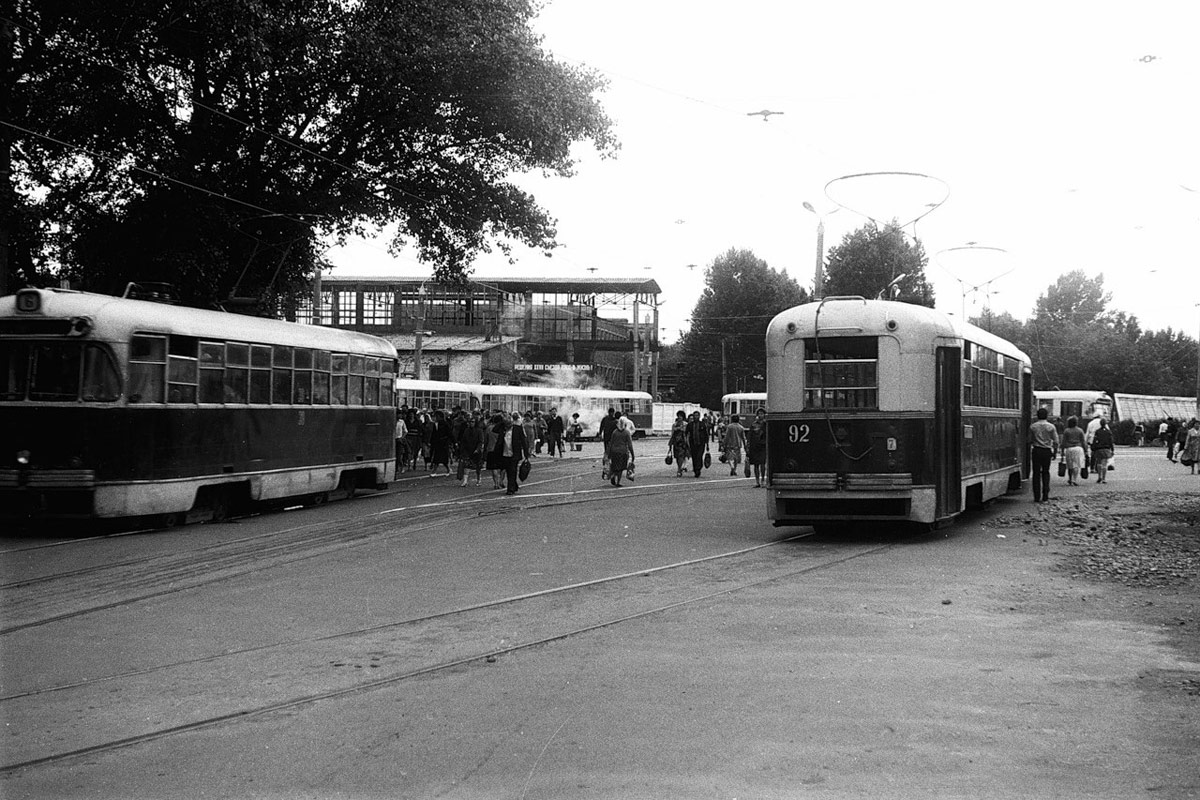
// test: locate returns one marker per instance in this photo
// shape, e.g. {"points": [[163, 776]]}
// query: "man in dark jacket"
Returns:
{"points": [[696, 433], [511, 449], [554, 432]]}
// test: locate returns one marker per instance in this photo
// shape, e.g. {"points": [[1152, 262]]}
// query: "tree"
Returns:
{"points": [[215, 143], [726, 345], [871, 258], [1074, 299]]}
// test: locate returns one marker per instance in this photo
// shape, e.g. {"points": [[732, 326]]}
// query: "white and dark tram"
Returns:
{"points": [[890, 412], [116, 408]]}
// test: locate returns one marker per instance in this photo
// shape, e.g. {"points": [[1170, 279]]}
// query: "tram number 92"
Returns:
{"points": [[798, 433]]}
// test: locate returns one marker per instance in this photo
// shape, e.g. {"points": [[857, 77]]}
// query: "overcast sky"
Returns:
{"points": [[1067, 135]]}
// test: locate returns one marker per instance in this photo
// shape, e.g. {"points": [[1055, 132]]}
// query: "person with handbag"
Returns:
{"points": [[697, 434], [756, 447], [1074, 452], [620, 454], [733, 444], [677, 447], [512, 450]]}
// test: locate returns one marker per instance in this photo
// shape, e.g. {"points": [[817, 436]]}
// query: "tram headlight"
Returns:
{"points": [[23, 458]]}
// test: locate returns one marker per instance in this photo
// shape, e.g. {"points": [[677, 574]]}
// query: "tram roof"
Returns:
{"points": [[876, 312], [115, 318], [533, 285]]}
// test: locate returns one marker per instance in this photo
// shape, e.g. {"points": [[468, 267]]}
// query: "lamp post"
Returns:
{"points": [[819, 272], [419, 333]]}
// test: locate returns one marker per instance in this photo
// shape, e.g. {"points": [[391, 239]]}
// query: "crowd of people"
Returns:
{"points": [[478, 441], [1091, 448], [500, 443], [737, 444]]}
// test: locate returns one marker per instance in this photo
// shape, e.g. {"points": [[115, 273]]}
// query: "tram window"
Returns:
{"points": [[55, 372], [182, 369], [212, 372], [14, 370], [260, 356], [260, 386], [371, 392], [281, 385], [356, 365], [303, 358], [237, 383], [302, 386], [354, 395], [321, 388], [147, 369], [321, 360], [372, 366], [283, 356]]}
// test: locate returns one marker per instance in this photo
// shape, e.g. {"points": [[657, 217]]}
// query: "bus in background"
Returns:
{"points": [[890, 412], [743, 403], [1061, 405]]}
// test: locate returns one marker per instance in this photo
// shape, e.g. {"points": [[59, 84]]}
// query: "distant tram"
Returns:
{"points": [[743, 404], [590, 404], [890, 412], [1081, 404], [117, 407]]}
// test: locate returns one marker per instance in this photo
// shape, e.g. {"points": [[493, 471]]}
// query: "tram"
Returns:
{"points": [[890, 412], [118, 407], [743, 403], [590, 404], [1084, 404]]}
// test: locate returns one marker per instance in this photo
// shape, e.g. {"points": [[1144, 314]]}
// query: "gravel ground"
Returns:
{"points": [[1144, 547]]}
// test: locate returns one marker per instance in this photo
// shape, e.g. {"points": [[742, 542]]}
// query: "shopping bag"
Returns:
{"points": [[707, 460], [668, 460], [1062, 469], [1083, 473], [523, 471], [746, 469], [629, 472]]}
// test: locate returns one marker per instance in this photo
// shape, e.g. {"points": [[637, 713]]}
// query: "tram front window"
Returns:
{"points": [[56, 371]]}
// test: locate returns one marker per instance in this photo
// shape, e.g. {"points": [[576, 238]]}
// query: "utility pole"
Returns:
{"points": [[724, 370]]}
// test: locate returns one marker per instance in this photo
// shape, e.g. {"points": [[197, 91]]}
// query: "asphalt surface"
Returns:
{"points": [[963, 663]]}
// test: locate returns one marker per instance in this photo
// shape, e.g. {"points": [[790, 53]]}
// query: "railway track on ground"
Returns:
{"points": [[167, 700]]}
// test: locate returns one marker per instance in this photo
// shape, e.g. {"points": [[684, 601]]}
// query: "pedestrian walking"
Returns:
{"points": [[756, 446], [554, 433], [511, 450], [1074, 448], [733, 444], [1102, 450], [401, 443], [677, 445], [1181, 438], [440, 440], [697, 434], [1043, 439], [471, 443], [1166, 431], [620, 454], [1190, 454], [495, 429], [607, 426]]}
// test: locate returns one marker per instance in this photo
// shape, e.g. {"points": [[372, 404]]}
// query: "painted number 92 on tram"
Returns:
{"points": [[884, 412]]}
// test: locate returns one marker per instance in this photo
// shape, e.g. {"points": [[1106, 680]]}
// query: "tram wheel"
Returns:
{"points": [[169, 521], [318, 499]]}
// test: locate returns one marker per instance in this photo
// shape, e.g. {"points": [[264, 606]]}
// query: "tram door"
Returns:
{"points": [[948, 431]]}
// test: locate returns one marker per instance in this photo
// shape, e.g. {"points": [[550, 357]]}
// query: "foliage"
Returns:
{"points": [[741, 296], [870, 259], [1076, 342], [214, 143]]}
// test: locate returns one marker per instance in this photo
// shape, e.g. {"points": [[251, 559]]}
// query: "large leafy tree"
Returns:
{"points": [[217, 143], [873, 262], [726, 344]]}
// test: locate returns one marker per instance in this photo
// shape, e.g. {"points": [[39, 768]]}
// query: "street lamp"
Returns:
{"points": [[819, 273]]}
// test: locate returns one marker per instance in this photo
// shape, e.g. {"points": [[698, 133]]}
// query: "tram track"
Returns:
{"points": [[339, 665], [54, 597]]}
